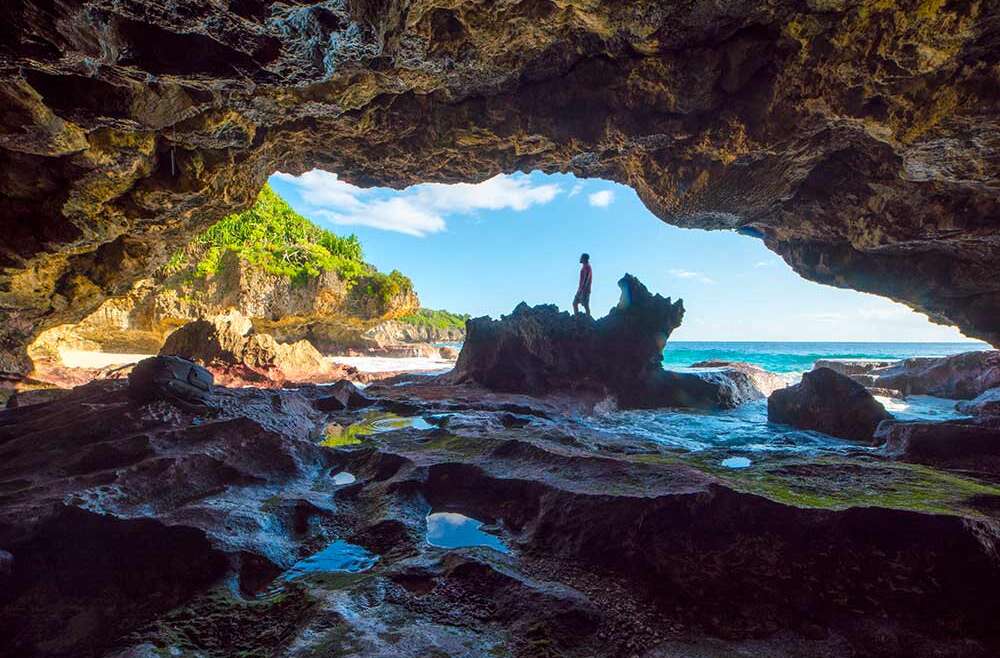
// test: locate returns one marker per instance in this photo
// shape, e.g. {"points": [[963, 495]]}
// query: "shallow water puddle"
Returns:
{"points": [[344, 478], [453, 530], [339, 556], [736, 462], [337, 436]]}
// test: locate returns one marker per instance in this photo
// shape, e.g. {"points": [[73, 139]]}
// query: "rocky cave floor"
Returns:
{"points": [[149, 530]]}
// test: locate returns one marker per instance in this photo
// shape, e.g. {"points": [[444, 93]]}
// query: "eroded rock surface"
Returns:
{"points": [[961, 376], [969, 445], [236, 357], [828, 402], [154, 529], [858, 140]]}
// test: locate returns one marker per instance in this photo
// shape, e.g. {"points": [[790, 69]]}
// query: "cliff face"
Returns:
{"points": [[859, 140], [140, 321]]}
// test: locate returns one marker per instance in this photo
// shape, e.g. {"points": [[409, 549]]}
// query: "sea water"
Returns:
{"points": [[796, 357]]}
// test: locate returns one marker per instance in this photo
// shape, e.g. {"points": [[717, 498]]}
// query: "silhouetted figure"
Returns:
{"points": [[583, 291]]}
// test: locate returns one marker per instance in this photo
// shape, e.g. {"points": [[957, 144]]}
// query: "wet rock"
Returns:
{"points": [[170, 378], [538, 350], [970, 445], [35, 396], [961, 376], [237, 359], [343, 395], [755, 382], [829, 402], [985, 404], [857, 369]]}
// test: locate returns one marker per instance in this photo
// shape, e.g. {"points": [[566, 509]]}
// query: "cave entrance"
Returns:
{"points": [[384, 279]]}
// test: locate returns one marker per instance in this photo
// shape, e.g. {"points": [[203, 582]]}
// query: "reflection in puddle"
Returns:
{"points": [[736, 462], [344, 478], [336, 436], [451, 530], [339, 556]]}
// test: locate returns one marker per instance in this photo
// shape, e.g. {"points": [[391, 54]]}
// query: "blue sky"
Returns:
{"points": [[483, 248]]}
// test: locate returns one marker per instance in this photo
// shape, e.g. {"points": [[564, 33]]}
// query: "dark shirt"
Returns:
{"points": [[586, 277]]}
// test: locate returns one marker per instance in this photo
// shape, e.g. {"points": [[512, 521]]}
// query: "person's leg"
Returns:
{"points": [[576, 303], [586, 307]]}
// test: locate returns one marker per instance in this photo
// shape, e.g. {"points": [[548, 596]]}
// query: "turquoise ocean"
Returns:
{"points": [[789, 357]]}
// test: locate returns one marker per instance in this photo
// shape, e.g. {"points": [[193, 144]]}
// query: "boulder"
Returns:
{"points": [[986, 403], [448, 353], [829, 402], [172, 378], [969, 445], [960, 377], [237, 359], [343, 395]]}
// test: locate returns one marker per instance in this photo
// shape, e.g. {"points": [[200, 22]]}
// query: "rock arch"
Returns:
{"points": [[859, 140]]}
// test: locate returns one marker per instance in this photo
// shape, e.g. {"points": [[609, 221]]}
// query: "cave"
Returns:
{"points": [[858, 141]]}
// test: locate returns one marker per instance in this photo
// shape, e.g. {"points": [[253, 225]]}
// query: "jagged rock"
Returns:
{"points": [[394, 332], [968, 445], [761, 382], [235, 358], [986, 403], [856, 369], [170, 378], [829, 402], [149, 517], [343, 395], [538, 350], [857, 140], [961, 376]]}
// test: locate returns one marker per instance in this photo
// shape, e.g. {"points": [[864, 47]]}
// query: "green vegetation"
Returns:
{"points": [[384, 288], [281, 241], [426, 317]]}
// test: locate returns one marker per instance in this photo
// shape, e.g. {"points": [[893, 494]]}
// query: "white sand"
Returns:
{"points": [[399, 364], [87, 359]]}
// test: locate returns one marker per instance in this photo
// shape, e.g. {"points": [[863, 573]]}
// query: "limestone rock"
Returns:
{"points": [[829, 402], [961, 376], [968, 445], [986, 403], [235, 358], [343, 395]]}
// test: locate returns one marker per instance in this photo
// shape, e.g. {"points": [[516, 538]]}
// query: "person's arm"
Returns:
{"points": [[586, 277]]}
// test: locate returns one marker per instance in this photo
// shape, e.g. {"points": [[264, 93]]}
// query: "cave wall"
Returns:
{"points": [[859, 140]]}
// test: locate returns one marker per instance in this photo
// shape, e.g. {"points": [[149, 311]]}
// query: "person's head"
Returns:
{"points": [[584, 258]]}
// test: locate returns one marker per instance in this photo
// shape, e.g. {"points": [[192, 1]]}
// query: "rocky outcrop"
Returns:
{"points": [[761, 383], [829, 402], [538, 350], [856, 369], [395, 332], [969, 445], [235, 357], [174, 531], [961, 376], [985, 404], [857, 140], [315, 309]]}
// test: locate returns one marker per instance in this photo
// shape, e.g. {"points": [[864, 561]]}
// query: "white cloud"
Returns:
{"points": [[576, 190], [601, 199], [764, 263], [417, 210], [694, 276]]}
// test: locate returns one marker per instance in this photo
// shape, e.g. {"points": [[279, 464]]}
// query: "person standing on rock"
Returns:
{"points": [[583, 291]]}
